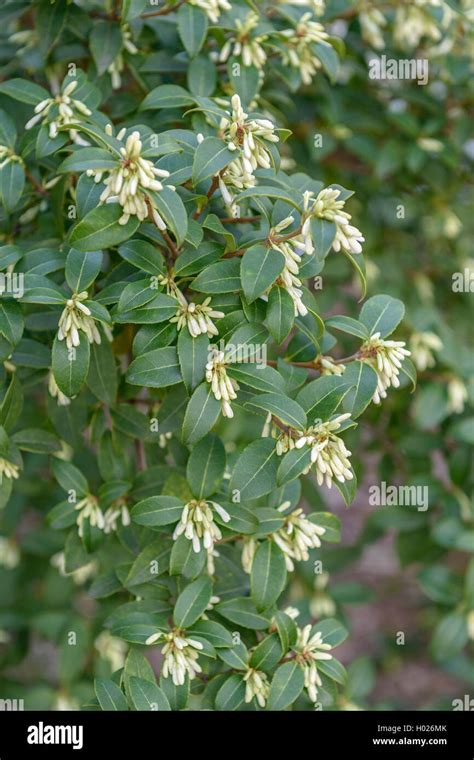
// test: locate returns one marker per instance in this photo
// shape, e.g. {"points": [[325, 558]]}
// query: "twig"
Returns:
{"points": [[37, 185], [164, 11], [209, 194]]}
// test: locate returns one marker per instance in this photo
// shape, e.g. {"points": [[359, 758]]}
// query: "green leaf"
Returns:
{"points": [[184, 560], [171, 209], [323, 233], [100, 228], [206, 465], [280, 314], [24, 91], [221, 277], [332, 631], [321, 397], [268, 576], [88, 158], [39, 289], [286, 686], [293, 464], [212, 155], [450, 636], [37, 440], [142, 255], [364, 380], [267, 654], [193, 355], [201, 414], [70, 366], [146, 695], [70, 477], [257, 376], [157, 511], [159, 309], [192, 28], [331, 523], [287, 630], [82, 269], [105, 44], [285, 409], [12, 182], [156, 369], [259, 268], [348, 325], [243, 613], [231, 694], [110, 696], [102, 377], [214, 632], [329, 58], [11, 405], [50, 22], [334, 670], [192, 602], [167, 96], [255, 471], [382, 314]]}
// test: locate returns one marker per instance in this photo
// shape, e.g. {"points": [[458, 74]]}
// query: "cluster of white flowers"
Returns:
{"points": [[317, 6], [56, 393], [321, 604], [76, 317], [296, 536], [413, 22], [59, 112], [197, 523], [246, 45], [422, 345], [89, 509], [457, 395], [8, 470], [327, 366], [117, 66], [299, 51], [385, 357], [130, 183], [113, 515], [247, 138], [196, 316], [212, 8], [328, 205], [249, 547], [7, 155], [223, 387], [372, 22], [329, 454], [292, 249], [79, 576], [256, 685], [112, 649], [309, 649], [9, 553], [180, 655]]}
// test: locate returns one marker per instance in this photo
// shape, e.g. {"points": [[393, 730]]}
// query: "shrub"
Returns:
{"points": [[170, 375]]}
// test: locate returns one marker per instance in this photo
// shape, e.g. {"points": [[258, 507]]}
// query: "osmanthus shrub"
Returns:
{"points": [[162, 343]]}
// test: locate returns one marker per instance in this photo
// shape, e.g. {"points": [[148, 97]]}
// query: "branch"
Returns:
{"points": [[209, 194], [164, 11]]}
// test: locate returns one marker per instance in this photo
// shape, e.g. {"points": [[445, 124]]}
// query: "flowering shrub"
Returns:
{"points": [[173, 385]]}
